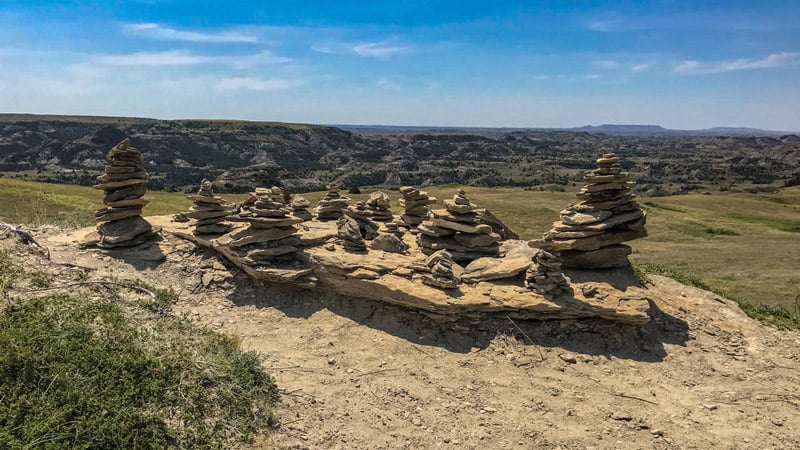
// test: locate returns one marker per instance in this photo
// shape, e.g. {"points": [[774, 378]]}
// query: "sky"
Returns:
{"points": [[679, 64]]}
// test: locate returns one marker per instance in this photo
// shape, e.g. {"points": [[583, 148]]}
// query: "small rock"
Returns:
{"points": [[568, 358], [777, 422], [657, 433], [710, 407], [416, 421], [621, 416], [332, 362]]}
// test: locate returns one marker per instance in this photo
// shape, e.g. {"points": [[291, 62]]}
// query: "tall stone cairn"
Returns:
{"points": [[591, 232], [544, 276], [299, 207], [209, 210], [441, 265], [415, 206], [458, 230], [349, 234], [379, 203], [332, 205], [272, 235], [120, 223], [363, 216]]}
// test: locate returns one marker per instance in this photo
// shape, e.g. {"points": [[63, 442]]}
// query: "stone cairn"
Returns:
{"points": [[349, 233], [332, 205], [544, 276], [299, 207], [441, 265], [415, 206], [209, 210], [363, 216], [591, 232], [272, 235], [120, 224], [457, 228], [379, 203]]}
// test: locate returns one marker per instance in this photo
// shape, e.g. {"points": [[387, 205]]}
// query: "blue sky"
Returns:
{"points": [[461, 63]]}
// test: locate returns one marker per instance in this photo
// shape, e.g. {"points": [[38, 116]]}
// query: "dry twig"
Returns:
{"points": [[100, 282], [26, 238], [541, 355]]}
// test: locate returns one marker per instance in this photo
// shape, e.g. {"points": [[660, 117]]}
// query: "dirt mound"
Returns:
{"points": [[359, 374]]}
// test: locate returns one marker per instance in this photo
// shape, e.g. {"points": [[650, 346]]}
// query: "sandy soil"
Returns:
{"points": [[358, 374]]}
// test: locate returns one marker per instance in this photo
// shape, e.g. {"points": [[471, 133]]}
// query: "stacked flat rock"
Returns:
{"points": [[272, 235], [332, 205], [299, 207], [363, 216], [441, 265], [457, 228], [591, 232], [544, 276], [379, 203], [415, 205], [349, 234], [209, 210], [390, 239], [120, 224]]}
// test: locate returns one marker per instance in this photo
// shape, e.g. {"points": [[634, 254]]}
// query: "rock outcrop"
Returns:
{"points": [[332, 205], [378, 203], [415, 206], [271, 235], [120, 223], [458, 230], [209, 210], [591, 233]]}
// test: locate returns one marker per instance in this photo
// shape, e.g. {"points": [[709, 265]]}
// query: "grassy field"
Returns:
{"points": [[745, 245]]}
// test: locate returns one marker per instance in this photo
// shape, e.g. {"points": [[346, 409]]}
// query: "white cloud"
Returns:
{"points": [[540, 77], [186, 58], [771, 61], [611, 64], [640, 67], [379, 49], [388, 83], [156, 31], [257, 84], [382, 50]]}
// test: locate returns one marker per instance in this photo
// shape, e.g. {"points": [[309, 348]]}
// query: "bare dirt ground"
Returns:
{"points": [[357, 374]]}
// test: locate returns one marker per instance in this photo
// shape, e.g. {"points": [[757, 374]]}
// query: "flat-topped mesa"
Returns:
{"points": [[441, 274], [415, 206], [544, 276], [209, 210], [120, 223], [272, 235], [299, 207], [458, 229], [591, 232], [332, 205], [379, 203]]}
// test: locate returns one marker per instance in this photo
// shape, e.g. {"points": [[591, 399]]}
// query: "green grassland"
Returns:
{"points": [[742, 244]]}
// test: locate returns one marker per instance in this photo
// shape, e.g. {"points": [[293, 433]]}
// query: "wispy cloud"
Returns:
{"points": [[257, 84], [611, 64], [157, 31], [771, 61], [382, 50], [388, 83], [187, 58]]}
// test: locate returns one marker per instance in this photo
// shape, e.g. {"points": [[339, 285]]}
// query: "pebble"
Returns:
{"points": [[568, 358], [710, 407]]}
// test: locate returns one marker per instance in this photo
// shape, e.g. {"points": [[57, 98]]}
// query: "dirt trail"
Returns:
{"points": [[358, 374]]}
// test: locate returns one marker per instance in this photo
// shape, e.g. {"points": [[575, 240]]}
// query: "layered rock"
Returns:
{"points": [[441, 274], [591, 232], [120, 223], [272, 235], [349, 234], [209, 211], [544, 276], [378, 203], [299, 207], [415, 206], [457, 228], [331, 206]]}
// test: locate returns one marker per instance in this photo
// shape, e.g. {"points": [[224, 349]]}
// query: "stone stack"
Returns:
{"points": [[363, 216], [120, 224], [415, 205], [332, 205], [349, 234], [209, 211], [591, 232], [379, 203], [300, 206], [390, 239], [442, 276], [544, 276], [272, 235], [457, 228]]}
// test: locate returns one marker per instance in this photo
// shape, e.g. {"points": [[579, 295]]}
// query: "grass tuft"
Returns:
{"points": [[82, 373]]}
